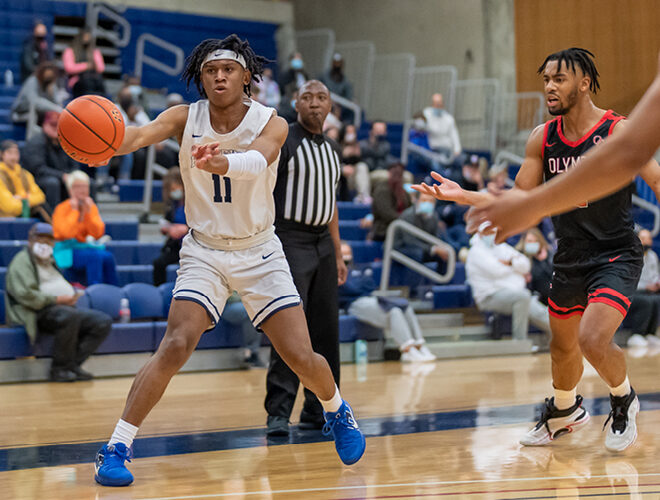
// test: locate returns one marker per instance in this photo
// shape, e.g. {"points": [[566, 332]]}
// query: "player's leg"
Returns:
{"points": [[597, 330], [186, 322], [287, 330]]}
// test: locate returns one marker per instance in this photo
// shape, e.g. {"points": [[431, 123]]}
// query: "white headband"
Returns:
{"points": [[220, 54]]}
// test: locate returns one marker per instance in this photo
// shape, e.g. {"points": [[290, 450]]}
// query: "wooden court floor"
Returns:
{"points": [[443, 430]]}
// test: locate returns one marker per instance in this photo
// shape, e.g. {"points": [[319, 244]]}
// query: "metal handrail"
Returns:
{"points": [[411, 147], [389, 254], [98, 32], [346, 103], [141, 58], [31, 126], [651, 207], [508, 156]]}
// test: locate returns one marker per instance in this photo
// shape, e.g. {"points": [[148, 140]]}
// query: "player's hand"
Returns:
{"points": [[447, 190], [342, 271], [209, 157], [98, 164], [66, 300], [509, 214]]}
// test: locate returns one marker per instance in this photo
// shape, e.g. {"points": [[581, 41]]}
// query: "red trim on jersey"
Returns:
{"points": [[615, 120], [562, 315], [555, 306], [545, 136], [610, 302], [611, 291], [574, 144]]}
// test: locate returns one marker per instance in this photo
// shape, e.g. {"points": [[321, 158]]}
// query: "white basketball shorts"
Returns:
{"points": [[259, 274]]}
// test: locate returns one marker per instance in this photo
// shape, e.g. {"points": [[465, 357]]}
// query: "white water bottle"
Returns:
{"points": [[9, 78], [124, 310]]}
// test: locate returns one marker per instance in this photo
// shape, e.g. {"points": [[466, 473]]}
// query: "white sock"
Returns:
{"points": [[565, 399], [334, 404], [621, 390], [124, 433]]}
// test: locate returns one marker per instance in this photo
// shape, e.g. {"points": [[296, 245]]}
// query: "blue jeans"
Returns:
{"points": [[99, 265]]}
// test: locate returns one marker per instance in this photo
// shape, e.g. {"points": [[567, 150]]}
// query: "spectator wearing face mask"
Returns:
{"points": [[354, 184], [443, 133], [645, 303], [269, 91], [376, 150], [394, 314], [389, 201], [496, 274], [41, 90], [84, 65], [335, 79], [471, 178], [43, 301], [36, 50], [294, 77], [534, 245], [173, 225], [19, 193]]}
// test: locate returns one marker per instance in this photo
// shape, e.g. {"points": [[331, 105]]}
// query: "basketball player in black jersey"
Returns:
{"points": [[598, 260]]}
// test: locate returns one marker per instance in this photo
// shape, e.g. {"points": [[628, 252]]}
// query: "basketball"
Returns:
{"points": [[90, 129]]}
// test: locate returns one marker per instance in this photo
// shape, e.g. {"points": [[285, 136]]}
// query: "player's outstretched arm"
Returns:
{"points": [[448, 190], [263, 151], [170, 123]]}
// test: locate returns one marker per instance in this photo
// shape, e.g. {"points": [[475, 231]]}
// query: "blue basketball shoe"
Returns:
{"points": [[349, 440], [109, 465]]}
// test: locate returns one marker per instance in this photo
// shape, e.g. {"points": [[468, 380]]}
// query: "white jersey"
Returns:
{"points": [[220, 207]]}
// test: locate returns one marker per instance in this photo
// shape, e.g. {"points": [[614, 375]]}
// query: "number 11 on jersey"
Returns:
{"points": [[217, 193]]}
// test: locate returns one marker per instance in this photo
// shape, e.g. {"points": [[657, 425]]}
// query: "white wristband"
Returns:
{"points": [[246, 165]]}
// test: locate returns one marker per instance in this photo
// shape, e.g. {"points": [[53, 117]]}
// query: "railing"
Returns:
{"points": [[518, 115], [31, 126], [391, 88], [345, 103], [431, 80], [389, 254], [509, 156], [651, 207], [358, 67], [93, 13], [476, 113], [141, 58], [316, 47]]}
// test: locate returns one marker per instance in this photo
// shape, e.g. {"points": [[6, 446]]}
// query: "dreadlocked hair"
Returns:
{"points": [[193, 70], [572, 57]]}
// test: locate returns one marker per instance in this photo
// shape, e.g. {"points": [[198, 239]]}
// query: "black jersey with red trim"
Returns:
{"points": [[605, 219]]}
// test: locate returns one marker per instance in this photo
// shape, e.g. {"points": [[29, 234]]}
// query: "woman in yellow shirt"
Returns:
{"points": [[17, 184]]}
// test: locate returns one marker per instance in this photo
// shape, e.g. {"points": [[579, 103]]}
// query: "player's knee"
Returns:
{"points": [[302, 362], [591, 346], [175, 349]]}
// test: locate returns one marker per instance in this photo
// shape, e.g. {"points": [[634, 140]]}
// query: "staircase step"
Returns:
{"points": [[433, 321], [455, 333], [478, 348]]}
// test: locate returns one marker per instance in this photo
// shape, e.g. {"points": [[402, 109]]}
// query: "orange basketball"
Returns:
{"points": [[90, 129]]}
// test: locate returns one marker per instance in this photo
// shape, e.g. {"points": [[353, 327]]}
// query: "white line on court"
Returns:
{"points": [[398, 485]]}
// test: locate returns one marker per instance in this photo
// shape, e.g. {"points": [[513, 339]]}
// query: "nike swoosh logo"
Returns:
{"points": [[264, 257], [548, 145], [614, 258], [196, 136]]}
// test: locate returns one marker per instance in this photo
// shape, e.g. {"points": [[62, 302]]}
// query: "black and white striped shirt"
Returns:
{"points": [[307, 178]]}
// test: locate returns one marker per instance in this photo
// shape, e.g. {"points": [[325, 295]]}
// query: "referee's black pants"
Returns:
{"points": [[311, 257]]}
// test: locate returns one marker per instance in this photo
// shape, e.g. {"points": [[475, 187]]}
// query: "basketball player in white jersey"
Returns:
{"points": [[229, 153]]}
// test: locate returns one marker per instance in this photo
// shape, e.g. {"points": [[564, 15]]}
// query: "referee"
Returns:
{"points": [[306, 223]]}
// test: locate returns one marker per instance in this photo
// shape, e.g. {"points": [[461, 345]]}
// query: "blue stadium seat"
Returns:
{"points": [[8, 249], [123, 252], [222, 335], [133, 190], [129, 337], [135, 274], [2, 308], [3, 277], [84, 302], [459, 274], [366, 251], [14, 343], [166, 294], [347, 210], [351, 230], [105, 298], [171, 272], [452, 296], [122, 229], [145, 300], [146, 253], [351, 329]]}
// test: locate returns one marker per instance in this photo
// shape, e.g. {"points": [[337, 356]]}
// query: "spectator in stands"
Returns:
{"points": [[269, 90], [136, 91], [84, 65], [19, 193], [40, 90], [394, 314], [390, 199], [294, 77], [287, 107], [43, 301], [645, 303], [376, 149], [417, 135], [78, 226], [333, 120], [496, 274], [46, 160], [354, 183], [498, 176], [173, 225], [236, 315], [174, 99], [471, 178], [423, 216], [36, 50], [535, 246], [335, 79], [443, 134]]}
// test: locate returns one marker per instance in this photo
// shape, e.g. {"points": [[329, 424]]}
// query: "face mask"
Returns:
{"points": [[135, 90], [488, 240], [419, 124], [350, 137], [293, 103], [532, 247], [296, 64], [646, 248], [348, 262], [425, 208], [352, 160], [42, 251], [176, 194], [437, 111]]}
